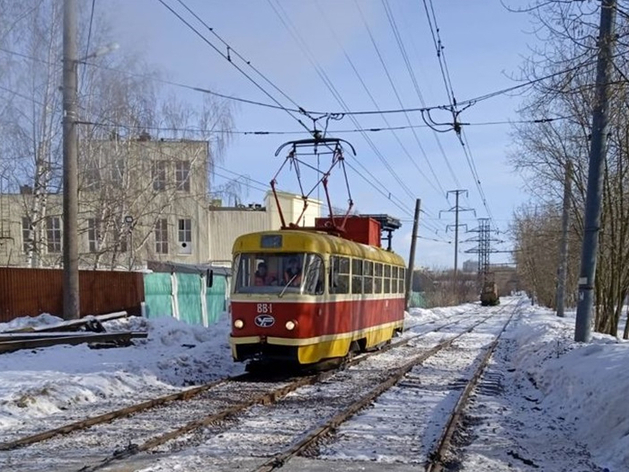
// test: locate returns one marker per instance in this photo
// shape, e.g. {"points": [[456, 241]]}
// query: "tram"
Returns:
{"points": [[344, 296], [307, 294]]}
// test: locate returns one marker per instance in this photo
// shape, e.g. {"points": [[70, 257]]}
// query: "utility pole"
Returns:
{"points": [[70, 166], [456, 209], [592, 219], [411, 259], [563, 247]]}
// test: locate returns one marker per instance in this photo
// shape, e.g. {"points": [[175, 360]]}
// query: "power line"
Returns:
{"points": [[335, 93], [227, 57], [468, 102], [397, 95], [413, 77]]}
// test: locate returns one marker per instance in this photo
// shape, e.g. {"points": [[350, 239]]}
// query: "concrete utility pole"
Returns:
{"points": [[456, 209], [600, 119], [411, 259], [563, 247], [70, 166]]}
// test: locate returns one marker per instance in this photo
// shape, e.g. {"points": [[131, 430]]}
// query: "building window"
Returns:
{"points": [[92, 175], [53, 234], [117, 173], [182, 175], [158, 174], [185, 236], [92, 234], [123, 246], [161, 236], [27, 235]]}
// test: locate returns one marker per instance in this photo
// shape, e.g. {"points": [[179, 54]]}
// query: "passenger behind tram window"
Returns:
{"points": [[262, 276], [292, 274]]}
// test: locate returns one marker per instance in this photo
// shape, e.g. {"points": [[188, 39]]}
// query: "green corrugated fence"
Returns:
{"points": [[158, 297], [185, 296], [189, 305], [417, 300], [216, 299]]}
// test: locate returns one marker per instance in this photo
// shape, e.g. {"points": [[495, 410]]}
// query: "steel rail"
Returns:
{"points": [[314, 435], [163, 400], [269, 397], [265, 398], [116, 414], [437, 457]]}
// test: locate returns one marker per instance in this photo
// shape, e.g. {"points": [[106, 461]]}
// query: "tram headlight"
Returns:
{"points": [[239, 324], [291, 325]]}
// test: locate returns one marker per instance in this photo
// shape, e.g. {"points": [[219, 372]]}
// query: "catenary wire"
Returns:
{"points": [[89, 37], [467, 102], [228, 59], [288, 133], [323, 76], [354, 69], [435, 31], [411, 71], [440, 188]]}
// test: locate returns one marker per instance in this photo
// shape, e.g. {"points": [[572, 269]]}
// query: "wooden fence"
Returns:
{"points": [[30, 292]]}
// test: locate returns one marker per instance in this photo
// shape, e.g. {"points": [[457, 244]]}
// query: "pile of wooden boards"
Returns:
{"points": [[87, 330]]}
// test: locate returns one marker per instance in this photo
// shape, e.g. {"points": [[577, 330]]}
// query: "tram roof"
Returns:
{"points": [[314, 242]]}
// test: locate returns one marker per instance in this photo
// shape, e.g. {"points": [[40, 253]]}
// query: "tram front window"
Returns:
{"points": [[268, 273], [280, 274]]}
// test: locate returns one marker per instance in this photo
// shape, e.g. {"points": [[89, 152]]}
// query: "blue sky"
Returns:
{"points": [[484, 46]]}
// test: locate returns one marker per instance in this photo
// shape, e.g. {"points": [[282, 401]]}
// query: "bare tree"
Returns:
{"points": [[560, 112], [119, 106]]}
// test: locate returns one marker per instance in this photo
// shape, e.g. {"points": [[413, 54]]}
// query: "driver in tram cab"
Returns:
{"points": [[262, 276], [292, 275]]}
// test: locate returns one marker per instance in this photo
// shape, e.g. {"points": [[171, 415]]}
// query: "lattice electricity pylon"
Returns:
{"points": [[484, 247]]}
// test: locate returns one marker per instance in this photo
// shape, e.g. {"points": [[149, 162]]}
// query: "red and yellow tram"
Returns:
{"points": [[305, 296]]}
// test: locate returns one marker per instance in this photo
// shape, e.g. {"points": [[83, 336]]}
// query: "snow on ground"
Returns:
{"points": [[41, 382], [419, 316], [583, 386]]}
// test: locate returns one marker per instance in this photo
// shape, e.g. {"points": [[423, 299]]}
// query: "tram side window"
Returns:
{"points": [[357, 276], [339, 274], [401, 285], [314, 275], [368, 277], [377, 279], [387, 278], [394, 284]]}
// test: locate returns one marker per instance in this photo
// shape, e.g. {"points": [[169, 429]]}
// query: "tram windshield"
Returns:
{"points": [[279, 273]]}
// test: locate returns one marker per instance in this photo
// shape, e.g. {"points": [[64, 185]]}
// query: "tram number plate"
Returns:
{"points": [[265, 308]]}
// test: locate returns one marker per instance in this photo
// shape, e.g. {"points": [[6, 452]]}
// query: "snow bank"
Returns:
{"points": [[44, 319], [585, 385], [36, 383]]}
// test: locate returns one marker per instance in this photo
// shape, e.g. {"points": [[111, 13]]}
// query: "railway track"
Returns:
{"points": [[263, 430], [221, 399], [187, 394], [309, 440]]}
